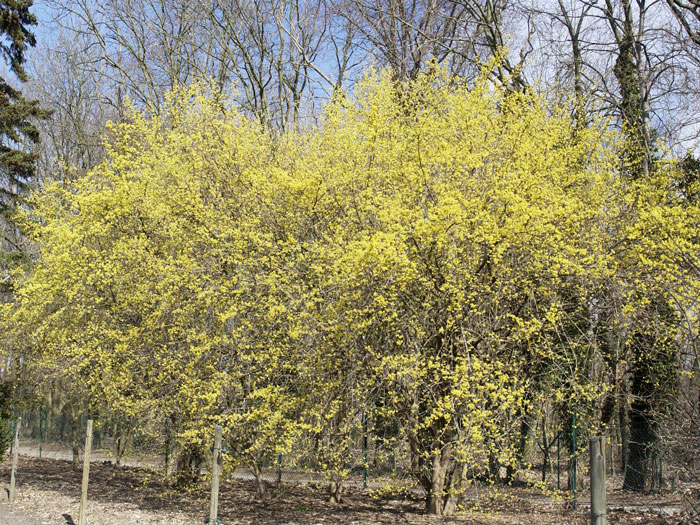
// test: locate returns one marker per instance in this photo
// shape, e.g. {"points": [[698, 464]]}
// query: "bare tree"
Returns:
{"points": [[277, 54], [280, 57], [64, 81], [688, 14], [461, 35], [147, 46], [405, 35], [686, 39], [563, 39]]}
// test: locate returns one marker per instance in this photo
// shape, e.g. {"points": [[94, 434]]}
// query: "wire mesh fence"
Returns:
{"points": [[372, 460], [556, 461]]}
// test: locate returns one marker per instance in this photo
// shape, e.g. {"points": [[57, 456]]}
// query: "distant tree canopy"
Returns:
{"points": [[17, 129], [434, 254]]}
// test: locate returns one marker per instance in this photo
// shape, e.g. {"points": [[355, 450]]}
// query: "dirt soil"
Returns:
{"points": [[48, 492], [10, 516]]}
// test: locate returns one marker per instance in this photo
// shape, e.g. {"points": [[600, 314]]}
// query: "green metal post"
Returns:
{"points": [[573, 449]]}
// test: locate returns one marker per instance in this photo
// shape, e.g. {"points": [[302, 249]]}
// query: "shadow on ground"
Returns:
{"points": [[287, 504]]}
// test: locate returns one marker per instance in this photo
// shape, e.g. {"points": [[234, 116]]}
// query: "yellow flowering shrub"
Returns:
{"points": [[417, 257]]}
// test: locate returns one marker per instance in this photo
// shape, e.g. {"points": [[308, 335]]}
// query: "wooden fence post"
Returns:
{"points": [[86, 474], [215, 473], [15, 452], [598, 505]]}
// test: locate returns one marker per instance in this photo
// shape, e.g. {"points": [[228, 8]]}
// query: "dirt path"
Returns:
{"points": [[10, 516], [52, 451]]}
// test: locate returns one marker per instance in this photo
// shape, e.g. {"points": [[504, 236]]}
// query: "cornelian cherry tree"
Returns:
{"points": [[415, 257]]}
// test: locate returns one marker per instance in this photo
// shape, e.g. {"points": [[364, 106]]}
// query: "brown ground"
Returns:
{"points": [[49, 490]]}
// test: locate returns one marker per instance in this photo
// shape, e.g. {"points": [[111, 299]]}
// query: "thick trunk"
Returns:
{"points": [[512, 468], [259, 483], [189, 464], [454, 489], [629, 72], [494, 468], [642, 436], [335, 489], [567, 443], [437, 498], [654, 366], [607, 411], [642, 433], [434, 499], [422, 474]]}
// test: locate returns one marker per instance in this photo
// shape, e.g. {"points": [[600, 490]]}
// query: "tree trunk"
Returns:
{"points": [[567, 443], [435, 497], [642, 436], [75, 444], [512, 469], [335, 489], [189, 464], [454, 489], [120, 445], [62, 427], [259, 483], [494, 467], [641, 433]]}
